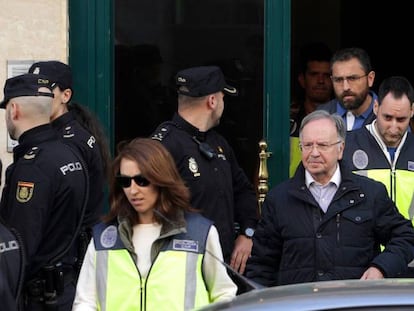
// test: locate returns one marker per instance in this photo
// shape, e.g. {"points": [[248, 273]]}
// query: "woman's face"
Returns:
{"points": [[142, 198]]}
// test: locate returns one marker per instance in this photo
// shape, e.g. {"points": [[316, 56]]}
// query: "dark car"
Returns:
{"points": [[367, 295]]}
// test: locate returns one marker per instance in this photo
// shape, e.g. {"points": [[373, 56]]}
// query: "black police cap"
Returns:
{"points": [[25, 85], [56, 71], [202, 81]]}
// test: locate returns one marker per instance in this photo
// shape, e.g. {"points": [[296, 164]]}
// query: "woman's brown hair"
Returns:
{"points": [[157, 165]]}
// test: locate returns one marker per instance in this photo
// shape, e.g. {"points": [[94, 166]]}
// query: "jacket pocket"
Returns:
{"points": [[355, 228], [357, 217]]}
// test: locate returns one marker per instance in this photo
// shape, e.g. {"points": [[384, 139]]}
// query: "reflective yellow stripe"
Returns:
{"points": [[404, 184]]}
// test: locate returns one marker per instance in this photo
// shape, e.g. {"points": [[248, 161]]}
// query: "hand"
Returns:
{"points": [[372, 273], [241, 252]]}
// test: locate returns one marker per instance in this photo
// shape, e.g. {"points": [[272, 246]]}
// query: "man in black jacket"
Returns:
{"points": [[219, 187], [45, 193], [327, 223]]}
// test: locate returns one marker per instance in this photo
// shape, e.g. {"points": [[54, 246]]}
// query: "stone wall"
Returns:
{"points": [[29, 31]]}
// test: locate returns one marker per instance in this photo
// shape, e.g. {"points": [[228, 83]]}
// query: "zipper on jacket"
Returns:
{"points": [[393, 186], [142, 285], [145, 284], [141, 291], [143, 307], [338, 224]]}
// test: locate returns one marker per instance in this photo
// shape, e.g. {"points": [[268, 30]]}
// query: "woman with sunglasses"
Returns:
{"points": [[152, 251]]}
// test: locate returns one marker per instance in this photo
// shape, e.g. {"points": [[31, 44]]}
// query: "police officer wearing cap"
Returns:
{"points": [[66, 121], [219, 187], [85, 136], [44, 195]]}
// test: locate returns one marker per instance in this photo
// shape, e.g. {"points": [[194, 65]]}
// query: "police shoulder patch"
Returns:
{"points": [[68, 132], [24, 191], [31, 154], [162, 131], [109, 236]]}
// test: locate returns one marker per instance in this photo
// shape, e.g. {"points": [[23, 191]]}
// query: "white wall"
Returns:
{"points": [[29, 30]]}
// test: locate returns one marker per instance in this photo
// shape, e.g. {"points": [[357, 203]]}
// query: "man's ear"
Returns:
{"points": [[211, 102], [15, 111], [341, 150], [376, 107]]}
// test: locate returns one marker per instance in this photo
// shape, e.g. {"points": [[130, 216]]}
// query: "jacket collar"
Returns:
{"points": [[373, 131], [169, 228], [347, 183], [188, 127], [63, 120], [33, 137]]}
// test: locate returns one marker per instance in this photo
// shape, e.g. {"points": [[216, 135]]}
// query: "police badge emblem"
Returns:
{"points": [[24, 191], [360, 159], [109, 236], [193, 167]]}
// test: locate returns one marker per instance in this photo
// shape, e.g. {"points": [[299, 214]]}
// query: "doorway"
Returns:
{"points": [[156, 38]]}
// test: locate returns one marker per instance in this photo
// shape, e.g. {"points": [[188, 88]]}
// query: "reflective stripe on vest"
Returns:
{"points": [[400, 186]]}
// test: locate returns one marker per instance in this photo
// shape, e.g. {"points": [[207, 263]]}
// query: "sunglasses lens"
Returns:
{"points": [[125, 181], [141, 181]]}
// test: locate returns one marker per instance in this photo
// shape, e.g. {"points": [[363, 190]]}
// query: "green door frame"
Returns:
{"points": [[277, 87], [91, 57]]}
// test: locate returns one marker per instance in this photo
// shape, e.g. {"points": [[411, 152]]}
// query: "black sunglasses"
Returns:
{"points": [[125, 181]]}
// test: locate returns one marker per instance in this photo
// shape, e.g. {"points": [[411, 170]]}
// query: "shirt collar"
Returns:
{"points": [[336, 178]]}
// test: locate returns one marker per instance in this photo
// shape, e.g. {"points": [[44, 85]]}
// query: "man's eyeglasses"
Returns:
{"points": [[319, 146], [349, 79], [125, 181]]}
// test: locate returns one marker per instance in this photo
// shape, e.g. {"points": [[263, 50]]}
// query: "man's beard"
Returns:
{"points": [[356, 103]]}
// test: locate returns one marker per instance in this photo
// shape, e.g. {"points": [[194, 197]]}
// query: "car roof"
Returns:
{"points": [[329, 295]]}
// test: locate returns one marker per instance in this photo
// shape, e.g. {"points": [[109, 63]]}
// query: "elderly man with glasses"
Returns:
{"points": [[327, 223]]}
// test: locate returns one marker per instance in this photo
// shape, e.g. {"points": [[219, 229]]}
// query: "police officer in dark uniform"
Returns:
{"points": [[219, 187], [65, 121], [85, 137], [44, 195], [11, 267]]}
